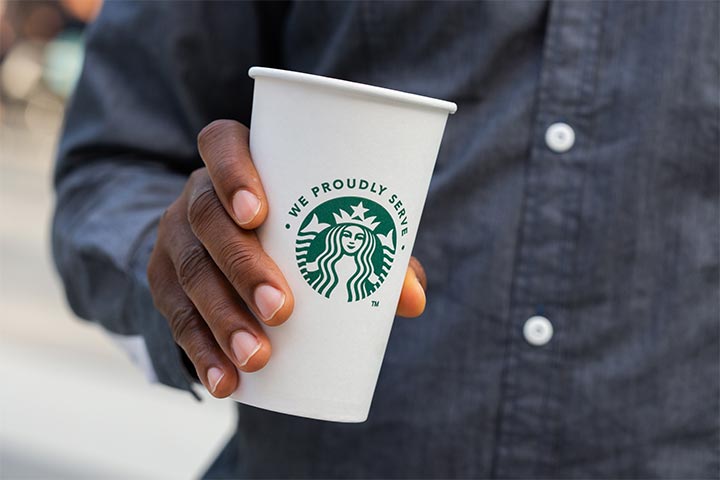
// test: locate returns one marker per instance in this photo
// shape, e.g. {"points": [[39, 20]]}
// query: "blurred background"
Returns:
{"points": [[72, 405]]}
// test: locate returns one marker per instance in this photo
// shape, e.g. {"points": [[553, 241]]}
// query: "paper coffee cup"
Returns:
{"points": [[346, 169]]}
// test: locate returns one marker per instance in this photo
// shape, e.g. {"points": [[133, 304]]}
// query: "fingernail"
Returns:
{"points": [[244, 346], [268, 301], [214, 375], [245, 206], [417, 279]]}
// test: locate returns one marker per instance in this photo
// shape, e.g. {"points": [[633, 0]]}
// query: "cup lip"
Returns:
{"points": [[355, 87]]}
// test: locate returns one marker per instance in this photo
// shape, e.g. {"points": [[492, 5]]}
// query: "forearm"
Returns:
{"points": [[154, 75]]}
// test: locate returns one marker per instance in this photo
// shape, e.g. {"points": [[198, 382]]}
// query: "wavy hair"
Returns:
{"points": [[327, 280]]}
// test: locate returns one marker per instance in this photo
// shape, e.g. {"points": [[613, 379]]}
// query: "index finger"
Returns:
{"points": [[224, 147]]}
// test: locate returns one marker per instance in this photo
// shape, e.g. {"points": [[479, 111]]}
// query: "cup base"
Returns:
{"points": [[338, 413]]}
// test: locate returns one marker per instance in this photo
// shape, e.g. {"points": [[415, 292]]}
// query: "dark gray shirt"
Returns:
{"points": [[614, 241]]}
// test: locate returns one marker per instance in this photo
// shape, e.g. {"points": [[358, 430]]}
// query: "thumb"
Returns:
{"points": [[412, 298]]}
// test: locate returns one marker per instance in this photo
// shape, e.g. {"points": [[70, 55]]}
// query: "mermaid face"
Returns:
{"points": [[352, 239]]}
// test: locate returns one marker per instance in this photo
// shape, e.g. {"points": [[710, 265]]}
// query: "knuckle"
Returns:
{"points": [[221, 312], [192, 263], [211, 132], [221, 143], [197, 178], [203, 208], [184, 324], [201, 352], [166, 216], [168, 220], [241, 260], [157, 278], [153, 275], [163, 223]]}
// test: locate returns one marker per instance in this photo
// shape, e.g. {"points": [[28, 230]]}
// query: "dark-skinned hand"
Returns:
{"points": [[210, 277]]}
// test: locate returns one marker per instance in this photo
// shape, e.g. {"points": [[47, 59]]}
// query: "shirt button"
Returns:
{"points": [[538, 330], [560, 137]]}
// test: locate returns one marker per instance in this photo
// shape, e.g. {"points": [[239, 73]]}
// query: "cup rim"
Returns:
{"points": [[355, 87]]}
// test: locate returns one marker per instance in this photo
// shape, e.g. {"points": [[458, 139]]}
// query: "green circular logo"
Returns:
{"points": [[345, 247]]}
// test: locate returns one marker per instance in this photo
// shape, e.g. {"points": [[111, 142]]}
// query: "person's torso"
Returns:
{"points": [[614, 241]]}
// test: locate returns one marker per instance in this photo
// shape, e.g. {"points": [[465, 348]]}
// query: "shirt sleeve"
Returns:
{"points": [[154, 74]]}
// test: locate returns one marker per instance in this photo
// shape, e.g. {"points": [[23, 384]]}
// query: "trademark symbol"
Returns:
{"points": [[375, 303]]}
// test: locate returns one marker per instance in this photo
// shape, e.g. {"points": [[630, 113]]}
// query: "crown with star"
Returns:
{"points": [[356, 217]]}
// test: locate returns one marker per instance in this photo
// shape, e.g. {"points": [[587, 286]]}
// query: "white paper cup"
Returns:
{"points": [[346, 169]]}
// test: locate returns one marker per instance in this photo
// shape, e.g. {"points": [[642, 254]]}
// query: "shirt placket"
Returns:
{"points": [[532, 384]]}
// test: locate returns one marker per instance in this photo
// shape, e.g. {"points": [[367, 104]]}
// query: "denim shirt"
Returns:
{"points": [[577, 186]]}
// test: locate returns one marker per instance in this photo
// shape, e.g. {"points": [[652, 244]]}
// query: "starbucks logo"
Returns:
{"points": [[345, 247]]}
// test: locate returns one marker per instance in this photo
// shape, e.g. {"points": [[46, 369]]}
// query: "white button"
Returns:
{"points": [[560, 137], [538, 330]]}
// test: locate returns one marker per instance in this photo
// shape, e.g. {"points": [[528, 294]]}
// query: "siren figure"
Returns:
{"points": [[345, 266], [346, 260]]}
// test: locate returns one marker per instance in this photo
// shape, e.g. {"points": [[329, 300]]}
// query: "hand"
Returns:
{"points": [[208, 274]]}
